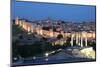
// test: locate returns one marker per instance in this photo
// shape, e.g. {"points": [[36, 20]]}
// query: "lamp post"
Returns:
{"points": [[46, 55]]}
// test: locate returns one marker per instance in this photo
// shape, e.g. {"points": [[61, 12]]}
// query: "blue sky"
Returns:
{"points": [[40, 11]]}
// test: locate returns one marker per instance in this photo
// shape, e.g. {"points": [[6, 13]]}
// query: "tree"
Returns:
{"points": [[29, 50], [59, 36], [46, 46]]}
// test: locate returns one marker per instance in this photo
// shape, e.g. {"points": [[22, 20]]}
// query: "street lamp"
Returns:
{"points": [[46, 59], [15, 58], [34, 57], [46, 54]]}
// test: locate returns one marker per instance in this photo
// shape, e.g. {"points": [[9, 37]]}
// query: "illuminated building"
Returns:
{"points": [[79, 37]]}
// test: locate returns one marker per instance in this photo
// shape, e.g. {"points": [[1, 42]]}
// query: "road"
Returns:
{"points": [[59, 56]]}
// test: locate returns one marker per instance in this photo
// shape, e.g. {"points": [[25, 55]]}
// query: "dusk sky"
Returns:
{"points": [[40, 11]]}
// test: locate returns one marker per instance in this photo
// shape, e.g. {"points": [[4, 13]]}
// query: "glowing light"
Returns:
{"points": [[46, 59], [53, 52], [46, 54], [88, 52], [29, 33], [34, 57], [15, 58]]}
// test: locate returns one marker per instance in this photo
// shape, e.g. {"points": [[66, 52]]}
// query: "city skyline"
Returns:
{"points": [[39, 11], [48, 33]]}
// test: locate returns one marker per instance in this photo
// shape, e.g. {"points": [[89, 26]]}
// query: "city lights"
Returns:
{"points": [[59, 34], [34, 57], [46, 54]]}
